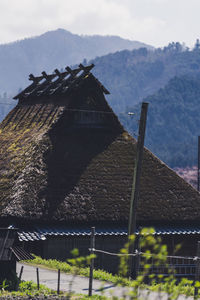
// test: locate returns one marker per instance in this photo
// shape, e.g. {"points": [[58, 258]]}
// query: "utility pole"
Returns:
{"points": [[92, 247], [197, 270], [198, 170], [136, 178]]}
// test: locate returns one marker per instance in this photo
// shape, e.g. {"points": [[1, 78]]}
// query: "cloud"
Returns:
{"points": [[30, 17], [155, 22]]}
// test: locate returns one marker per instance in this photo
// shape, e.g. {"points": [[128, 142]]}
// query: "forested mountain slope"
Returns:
{"points": [[173, 122], [132, 75], [128, 75]]}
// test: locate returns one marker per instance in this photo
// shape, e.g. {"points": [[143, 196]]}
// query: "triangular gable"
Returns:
{"points": [[66, 157]]}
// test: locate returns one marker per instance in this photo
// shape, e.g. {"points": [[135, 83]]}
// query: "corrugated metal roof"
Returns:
{"points": [[30, 235], [40, 232], [165, 230]]}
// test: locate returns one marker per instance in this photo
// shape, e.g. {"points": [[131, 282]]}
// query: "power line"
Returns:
{"points": [[86, 111], [91, 111], [103, 112]]}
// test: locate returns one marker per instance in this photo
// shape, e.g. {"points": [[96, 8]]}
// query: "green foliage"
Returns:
{"points": [[31, 287], [153, 253], [124, 259], [26, 288], [174, 289], [4, 285], [10, 285], [83, 271], [79, 261]]}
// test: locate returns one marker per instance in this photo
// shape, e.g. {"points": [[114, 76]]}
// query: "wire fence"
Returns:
{"points": [[179, 266], [182, 266], [139, 253], [156, 263]]}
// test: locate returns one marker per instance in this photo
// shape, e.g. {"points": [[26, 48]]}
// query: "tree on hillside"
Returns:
{"points": [[197, 45], [173, 121]]}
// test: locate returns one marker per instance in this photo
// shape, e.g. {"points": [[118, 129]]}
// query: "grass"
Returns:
{"points": [[65, 267], [84, 297], [168, 285], [29, 288]]}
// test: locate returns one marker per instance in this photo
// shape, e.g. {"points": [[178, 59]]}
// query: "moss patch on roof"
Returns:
{"points": [[22, 136]]}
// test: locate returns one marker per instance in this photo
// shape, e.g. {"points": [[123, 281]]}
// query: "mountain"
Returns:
{"points": [[53, 49], [131, 76], [173, 122], [6, 104]]}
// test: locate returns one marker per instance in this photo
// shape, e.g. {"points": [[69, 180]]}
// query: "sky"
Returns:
{"points": [[155, 22]]}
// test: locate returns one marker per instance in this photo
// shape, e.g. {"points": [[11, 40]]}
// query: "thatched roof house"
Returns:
{"points": [[65, 158]]}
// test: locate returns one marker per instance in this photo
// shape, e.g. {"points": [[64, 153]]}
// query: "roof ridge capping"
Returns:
{"points": [[57, 82]]}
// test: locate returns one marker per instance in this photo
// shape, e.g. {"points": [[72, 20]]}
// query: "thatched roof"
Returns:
{"points": [[52, 168]]}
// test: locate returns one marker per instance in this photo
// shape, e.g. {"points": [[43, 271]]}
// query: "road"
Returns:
{"points": [[80, 284]]}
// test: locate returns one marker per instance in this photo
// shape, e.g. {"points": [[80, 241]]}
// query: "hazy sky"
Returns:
{"points": [[156, 22]]}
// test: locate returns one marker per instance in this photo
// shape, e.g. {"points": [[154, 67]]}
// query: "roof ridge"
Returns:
{"points": [[56, 82]]}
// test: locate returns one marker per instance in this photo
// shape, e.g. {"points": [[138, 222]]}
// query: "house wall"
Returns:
{"points": [[60, 248], [36, 247], [188, 244]]}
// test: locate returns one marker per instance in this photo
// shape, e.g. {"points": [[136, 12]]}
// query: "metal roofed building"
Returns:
{"points": [[66, 164]]}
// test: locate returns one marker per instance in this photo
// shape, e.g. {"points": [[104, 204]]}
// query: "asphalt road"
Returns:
{"points": [[80, 284]]}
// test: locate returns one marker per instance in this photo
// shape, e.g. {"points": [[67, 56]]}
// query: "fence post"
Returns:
{"points": [[58, 287], [92, 246], [137, 257], [20, 277], [20, 274], [197, 269], [38, 281]]}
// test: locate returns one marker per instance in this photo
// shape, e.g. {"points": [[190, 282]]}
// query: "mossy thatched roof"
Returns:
{"points": [[53, 170]]}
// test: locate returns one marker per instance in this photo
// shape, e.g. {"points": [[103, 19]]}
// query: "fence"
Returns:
{"points": [[179, 266], [38, 278]]}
